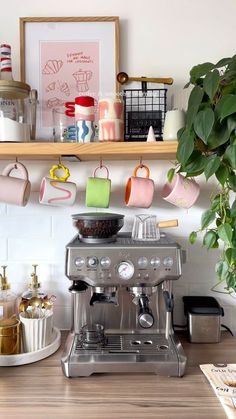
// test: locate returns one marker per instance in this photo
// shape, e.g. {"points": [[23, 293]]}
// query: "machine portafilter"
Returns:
{"points": [[141, 298], [104, 295]]}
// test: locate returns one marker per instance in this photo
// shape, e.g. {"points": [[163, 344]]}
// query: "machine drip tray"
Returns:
{"points": [[124, 353], [125, 343]]}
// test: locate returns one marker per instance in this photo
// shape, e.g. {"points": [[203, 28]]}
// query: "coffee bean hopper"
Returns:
{"points": [[122, 302], [17, 111]]}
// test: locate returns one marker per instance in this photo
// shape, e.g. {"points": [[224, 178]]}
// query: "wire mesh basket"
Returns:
{"points": [[143, 109]]}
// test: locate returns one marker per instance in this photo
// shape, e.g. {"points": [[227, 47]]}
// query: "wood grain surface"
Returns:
{"points": [[40, 390]]}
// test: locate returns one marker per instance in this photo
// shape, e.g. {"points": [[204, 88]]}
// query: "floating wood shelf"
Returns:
{"points": [[162, 150]]}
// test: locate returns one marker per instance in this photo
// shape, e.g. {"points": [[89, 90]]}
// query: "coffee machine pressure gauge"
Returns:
{"points": [[125, 270]]}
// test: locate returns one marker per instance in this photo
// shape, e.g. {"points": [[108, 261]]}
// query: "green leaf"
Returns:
{"points": [[218, 136], [203, 124], [231, 123], [229, 107], [212, 165], [200, 70], [225, 233], [232, 182], [209, 239], [170, 174], [215, 204], [196, 164], [222, 174], [230, 155], [207, 218], [223, 62], [211, 83], [193, 237], [230, 279], [195, 96], [194, 102], [185, 147], [221, 269], [230, 254], [233, 209], [220, 104]]}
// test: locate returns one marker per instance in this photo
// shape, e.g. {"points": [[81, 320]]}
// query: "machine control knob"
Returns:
{"points": [[168, 262], [155, 262], [105, 262], [146, 320], [125, 270], [142, 262], [92, 262], [79, 262]]}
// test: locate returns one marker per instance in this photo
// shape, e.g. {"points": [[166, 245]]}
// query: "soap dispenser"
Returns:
{"points": [[34, 289], [7, 297]]}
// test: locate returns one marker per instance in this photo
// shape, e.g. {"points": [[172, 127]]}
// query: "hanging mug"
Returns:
{"points": [[15, 190], [139, 190], [56, 190], [98, 190], [182, 192]]}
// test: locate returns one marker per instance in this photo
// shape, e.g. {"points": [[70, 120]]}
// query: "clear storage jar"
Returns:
{"points": [[17, 111]]}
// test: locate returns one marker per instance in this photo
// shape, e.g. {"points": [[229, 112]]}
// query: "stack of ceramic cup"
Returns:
{"points": [[84, 119], [111, 123]]}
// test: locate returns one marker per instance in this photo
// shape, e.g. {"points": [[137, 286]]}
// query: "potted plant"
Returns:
{"points": [[207, 145]]}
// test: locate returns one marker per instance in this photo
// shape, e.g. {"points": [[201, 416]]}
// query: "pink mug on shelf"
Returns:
{"points": [[15, 190], [182, 192], [139, 190], [56, 190]]}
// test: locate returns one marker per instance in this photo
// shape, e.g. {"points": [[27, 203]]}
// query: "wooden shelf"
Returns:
{"points": [[162, 150]]}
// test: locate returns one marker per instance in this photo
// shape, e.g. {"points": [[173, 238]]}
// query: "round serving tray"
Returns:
{"points": [[29, 357]]}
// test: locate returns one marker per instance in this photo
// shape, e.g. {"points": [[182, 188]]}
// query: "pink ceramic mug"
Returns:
{"points": [[15, 190], [139, 190], [182, 192]]}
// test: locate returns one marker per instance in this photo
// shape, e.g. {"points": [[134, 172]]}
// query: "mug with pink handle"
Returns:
{"points": [[56, 190], [139, 190], [15, 190], [182, 192]]}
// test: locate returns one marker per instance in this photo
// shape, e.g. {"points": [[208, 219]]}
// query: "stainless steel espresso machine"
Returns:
{"points": [[122, 305]]}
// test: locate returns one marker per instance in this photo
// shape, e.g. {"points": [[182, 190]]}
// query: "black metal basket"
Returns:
{"points": [[143, 109]]}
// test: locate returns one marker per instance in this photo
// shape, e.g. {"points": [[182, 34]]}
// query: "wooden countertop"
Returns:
{"points": [[40, 390]]}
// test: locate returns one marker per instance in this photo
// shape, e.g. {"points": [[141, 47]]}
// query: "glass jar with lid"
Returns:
{"points": [[17, 111]]}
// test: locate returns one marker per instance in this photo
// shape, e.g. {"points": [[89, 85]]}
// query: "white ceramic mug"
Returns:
{"points": [[15, 190], [56, 190], [174, 120]]}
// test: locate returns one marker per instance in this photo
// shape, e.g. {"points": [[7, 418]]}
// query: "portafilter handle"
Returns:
{"points": [[145, 317], [169, 303]]}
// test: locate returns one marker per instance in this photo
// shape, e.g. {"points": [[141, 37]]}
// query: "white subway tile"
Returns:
{"points": [[25, 226], [62, 317], [3, 249], [34, 250]]}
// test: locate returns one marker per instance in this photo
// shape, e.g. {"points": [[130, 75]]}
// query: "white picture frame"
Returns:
{"points": [[71, 56]]}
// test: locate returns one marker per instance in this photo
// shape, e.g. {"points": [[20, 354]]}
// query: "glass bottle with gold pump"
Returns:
{"points": [[7, 297], [34, 289]]}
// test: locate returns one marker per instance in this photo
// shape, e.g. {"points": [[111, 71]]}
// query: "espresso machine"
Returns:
{"points": [[122, 306]]}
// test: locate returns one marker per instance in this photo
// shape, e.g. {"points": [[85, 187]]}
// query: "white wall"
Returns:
{"points": [[158, 38]]}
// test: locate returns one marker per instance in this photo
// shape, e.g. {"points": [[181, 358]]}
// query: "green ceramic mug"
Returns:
{"points": [[98, 190]]}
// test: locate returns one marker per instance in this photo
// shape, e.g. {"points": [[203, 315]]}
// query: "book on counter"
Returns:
{"points": [[222, 378]]}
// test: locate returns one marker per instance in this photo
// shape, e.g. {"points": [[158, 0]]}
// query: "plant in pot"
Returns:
{"points": [[207, 145]]}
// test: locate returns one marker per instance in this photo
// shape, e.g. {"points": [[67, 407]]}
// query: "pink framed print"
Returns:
{"points": [[67, 57]]}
